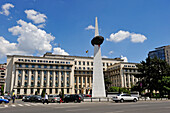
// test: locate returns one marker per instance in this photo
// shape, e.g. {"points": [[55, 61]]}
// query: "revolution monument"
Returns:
{"points": [[98, 89]]}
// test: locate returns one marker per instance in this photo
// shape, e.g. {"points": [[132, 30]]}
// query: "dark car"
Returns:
{"points": [[8, 97], [35, 98], [73, 98], [27, 98]]}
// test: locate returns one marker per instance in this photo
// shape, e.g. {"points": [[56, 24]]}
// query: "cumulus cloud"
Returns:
{"points": [[5, 9], [31, 38], [122, 35], [111, 52], [41, 26], [104, 57], [136, 38], [59, 51], [8, 48], [89, 27], [119, 36], [124, 58], [35, 16]]}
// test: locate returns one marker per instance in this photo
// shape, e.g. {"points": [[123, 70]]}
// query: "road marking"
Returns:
{"points": [[77, 110], [13, 105], [2, 107], [20, 105], [5, 105], [27, 105]]}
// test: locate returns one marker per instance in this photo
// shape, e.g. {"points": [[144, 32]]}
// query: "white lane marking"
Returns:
{"points": [[2, 107], [34, 104], [77, 109], [13, 105], [27, 105], [20, 105], [5, 105]]}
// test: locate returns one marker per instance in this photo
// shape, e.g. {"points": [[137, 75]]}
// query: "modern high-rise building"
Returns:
{"points": [[53, 73], [162, 53]]}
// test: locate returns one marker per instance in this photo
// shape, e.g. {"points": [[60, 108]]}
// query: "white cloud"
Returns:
{"points": [[136, 38], [122, 35], [31, 39], [41, 26], [5, 9], [119, 36], [124, 58], [59, 51], [8, 48], [35, 16], [89, 27], [111, 52], [104, 57]]}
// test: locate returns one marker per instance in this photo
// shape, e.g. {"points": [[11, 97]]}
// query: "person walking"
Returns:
{"points": [[13, 98], [46, 99]]}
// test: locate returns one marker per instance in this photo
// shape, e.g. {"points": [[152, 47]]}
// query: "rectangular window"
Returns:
{"points": [[83, 79], [83, 63], [75, 79], [91, 63], [75, 62], [79, 62], [88, 63], [79, 79], [33, 66]]}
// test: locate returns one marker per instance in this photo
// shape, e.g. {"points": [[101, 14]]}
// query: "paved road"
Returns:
{"points": [[88, 107]]}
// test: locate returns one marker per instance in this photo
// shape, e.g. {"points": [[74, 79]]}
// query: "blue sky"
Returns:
{"points": [[132, 27]]}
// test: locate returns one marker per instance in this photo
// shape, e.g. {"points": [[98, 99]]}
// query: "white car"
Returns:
{"points": [[124, 97]]}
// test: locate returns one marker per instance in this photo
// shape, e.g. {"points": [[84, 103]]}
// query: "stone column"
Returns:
{"points": [[29, 78], [86, 82], [125, 80], [23, 78], [65, 82], [16, 79], [48, 79], [77, 84], [90, 82], [59, 82], [129, 81], [35, 78], [132, 79], [42, 79], [122, 81], [53, 82]]}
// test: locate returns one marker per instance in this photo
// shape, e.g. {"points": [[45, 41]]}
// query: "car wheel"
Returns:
{"points": [[75, 101], [52, 101], [121, 100], [3, 102], [134, 100]]}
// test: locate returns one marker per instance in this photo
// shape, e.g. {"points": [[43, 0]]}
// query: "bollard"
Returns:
{"points": [[99, 99], [91, 99]]}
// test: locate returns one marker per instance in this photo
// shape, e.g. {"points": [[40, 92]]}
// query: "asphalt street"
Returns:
{"points": [[88, 107]]}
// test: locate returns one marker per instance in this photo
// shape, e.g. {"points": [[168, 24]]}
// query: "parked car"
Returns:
{"points": [[23, 98], [27, 98], [53, 98], [88, 95], [73, 98], [8, 97], [2, 100], [124, 97], [35, 98]]}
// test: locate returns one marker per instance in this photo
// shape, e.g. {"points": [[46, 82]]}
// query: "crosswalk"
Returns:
{"points": [[21, 105]]}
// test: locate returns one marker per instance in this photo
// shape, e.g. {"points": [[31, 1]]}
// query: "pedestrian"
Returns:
{"points": [[46, 99], [13, 98], [61, 100]]}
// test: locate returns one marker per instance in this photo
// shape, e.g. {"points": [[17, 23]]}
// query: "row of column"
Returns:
{"points": [[42, 80], [125, 80], [81, 83]]}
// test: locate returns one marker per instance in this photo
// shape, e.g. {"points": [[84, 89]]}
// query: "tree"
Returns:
{"points": [[2, 90], [152, 74]]}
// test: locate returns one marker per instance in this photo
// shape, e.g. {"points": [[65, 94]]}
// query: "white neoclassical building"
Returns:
{"points": [[53, 73]]}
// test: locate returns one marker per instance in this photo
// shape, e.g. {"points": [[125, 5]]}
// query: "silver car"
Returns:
{"points": [[53, 98]]}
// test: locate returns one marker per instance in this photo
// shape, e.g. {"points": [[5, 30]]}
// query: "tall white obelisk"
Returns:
{"points": [[98, 89]]}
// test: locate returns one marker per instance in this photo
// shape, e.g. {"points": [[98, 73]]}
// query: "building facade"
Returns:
{"points": [[2, 74], [122, 74], [53, 73], [162, 53]]}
